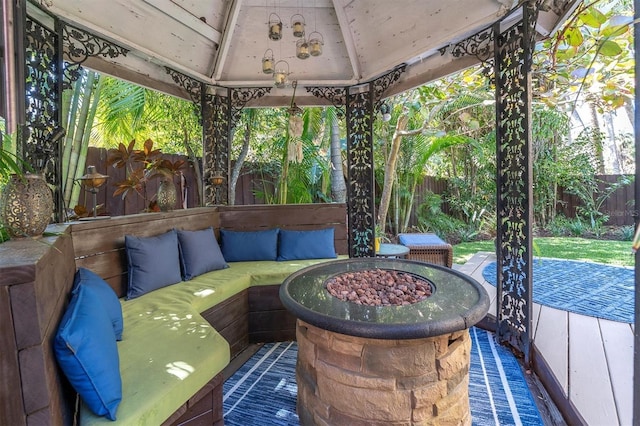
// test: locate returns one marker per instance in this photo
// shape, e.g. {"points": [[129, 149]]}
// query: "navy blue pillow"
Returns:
{"points": [[314, 244], [154, 262], [238, 246], [199, 253], [86, 350], [103, 291]]}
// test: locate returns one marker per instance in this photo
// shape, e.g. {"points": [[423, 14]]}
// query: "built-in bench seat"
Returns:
{"points": [[176, 340], [169, 351]]}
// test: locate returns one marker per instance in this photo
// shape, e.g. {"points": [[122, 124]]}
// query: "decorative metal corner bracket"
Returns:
{"points": [[191, 85], [479, 45], [382, 83], [81, 45], [336, 95], [241, 96]]}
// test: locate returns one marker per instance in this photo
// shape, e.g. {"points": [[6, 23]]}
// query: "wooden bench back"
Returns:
{"points": [[99, 245], [36, 276], [289, 216]]}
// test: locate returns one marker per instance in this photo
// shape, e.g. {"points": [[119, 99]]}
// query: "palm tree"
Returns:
{"points": [[338, 184]]}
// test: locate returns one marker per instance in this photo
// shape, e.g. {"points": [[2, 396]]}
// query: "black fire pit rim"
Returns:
{"points": [[349, 327]]}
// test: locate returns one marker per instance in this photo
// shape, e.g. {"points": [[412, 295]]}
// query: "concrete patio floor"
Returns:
{"points": [[590, 358]]}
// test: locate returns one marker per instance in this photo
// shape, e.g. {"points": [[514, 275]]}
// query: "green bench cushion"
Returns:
{"points": [[168, 351], [167, 356]]}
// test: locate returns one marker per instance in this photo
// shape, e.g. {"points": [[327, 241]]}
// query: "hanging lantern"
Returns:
{"points": [[267, 62], [275, 27], [297, 24], [281, 73], [316, 41], [385, 110], [302, 49]]}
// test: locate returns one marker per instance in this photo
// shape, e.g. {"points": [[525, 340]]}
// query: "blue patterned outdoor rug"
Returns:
{"points": [[586, 288], [263, 391]]}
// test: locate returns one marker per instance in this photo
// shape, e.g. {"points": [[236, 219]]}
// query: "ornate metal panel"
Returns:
{"points": [[513, 51], [41, 147], [360, 185], [216, 126]]}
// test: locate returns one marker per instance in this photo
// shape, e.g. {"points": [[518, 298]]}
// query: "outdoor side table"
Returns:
{"points": [[427, 248], [392, 250]]}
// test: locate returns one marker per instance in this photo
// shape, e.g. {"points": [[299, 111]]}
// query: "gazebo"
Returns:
{"points": [[226, 55]]}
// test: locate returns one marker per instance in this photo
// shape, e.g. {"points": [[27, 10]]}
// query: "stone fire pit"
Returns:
{"points": [[373, 365]]}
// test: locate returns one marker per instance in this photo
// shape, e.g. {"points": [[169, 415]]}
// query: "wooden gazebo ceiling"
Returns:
{"points": [[222, 42]]}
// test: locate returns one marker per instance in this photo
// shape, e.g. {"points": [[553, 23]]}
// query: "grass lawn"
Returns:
{"points": [[601, 251]]}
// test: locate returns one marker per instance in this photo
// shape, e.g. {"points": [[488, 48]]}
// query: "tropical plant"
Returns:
{"points": [[550, 158], [424, 126], [592, 53], [140, 167], [626, 233], [9, 162], [431, 218], [79, 108]]}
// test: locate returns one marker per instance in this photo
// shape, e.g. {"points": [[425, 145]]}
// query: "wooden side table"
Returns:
{"points": [[392, 250]]}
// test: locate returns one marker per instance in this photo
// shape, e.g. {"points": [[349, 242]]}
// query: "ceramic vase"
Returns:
{"points": [[167, 195]]}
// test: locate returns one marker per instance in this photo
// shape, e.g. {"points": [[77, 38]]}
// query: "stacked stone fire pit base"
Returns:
{"points": [[347, 380]]}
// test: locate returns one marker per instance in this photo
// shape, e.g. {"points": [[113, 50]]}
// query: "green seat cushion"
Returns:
{"points": [[268, 273], [168, 352]]}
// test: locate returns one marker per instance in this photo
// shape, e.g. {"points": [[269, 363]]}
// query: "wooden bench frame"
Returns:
{"points": [[36, 278]]}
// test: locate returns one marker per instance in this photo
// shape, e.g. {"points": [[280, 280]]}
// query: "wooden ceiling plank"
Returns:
{"points": [[229, 28], [187, 19], [135, 49], [349, 43]]}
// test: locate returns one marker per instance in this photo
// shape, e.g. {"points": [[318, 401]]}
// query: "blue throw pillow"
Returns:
{"points": [[315, 244], [199, 253], [238, 246], [154, 262], [86, 350], [103, 291]]}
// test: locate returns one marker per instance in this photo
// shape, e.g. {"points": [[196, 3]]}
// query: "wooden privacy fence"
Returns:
{"points": [[135, 203], [247, 185], [619, 206]]}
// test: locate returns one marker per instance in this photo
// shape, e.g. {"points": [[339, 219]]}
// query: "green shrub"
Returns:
{"points": [[431, 218], [559, 226], [626, 233], [576, 227]]}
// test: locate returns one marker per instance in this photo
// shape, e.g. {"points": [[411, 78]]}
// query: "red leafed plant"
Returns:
{"points": [[141, 165]]}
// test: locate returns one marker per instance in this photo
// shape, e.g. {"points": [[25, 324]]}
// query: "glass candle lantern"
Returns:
{"points": [[280, 74], [302, 49], [297, 24], [315, 43], [267, 62], [275, 27]]}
